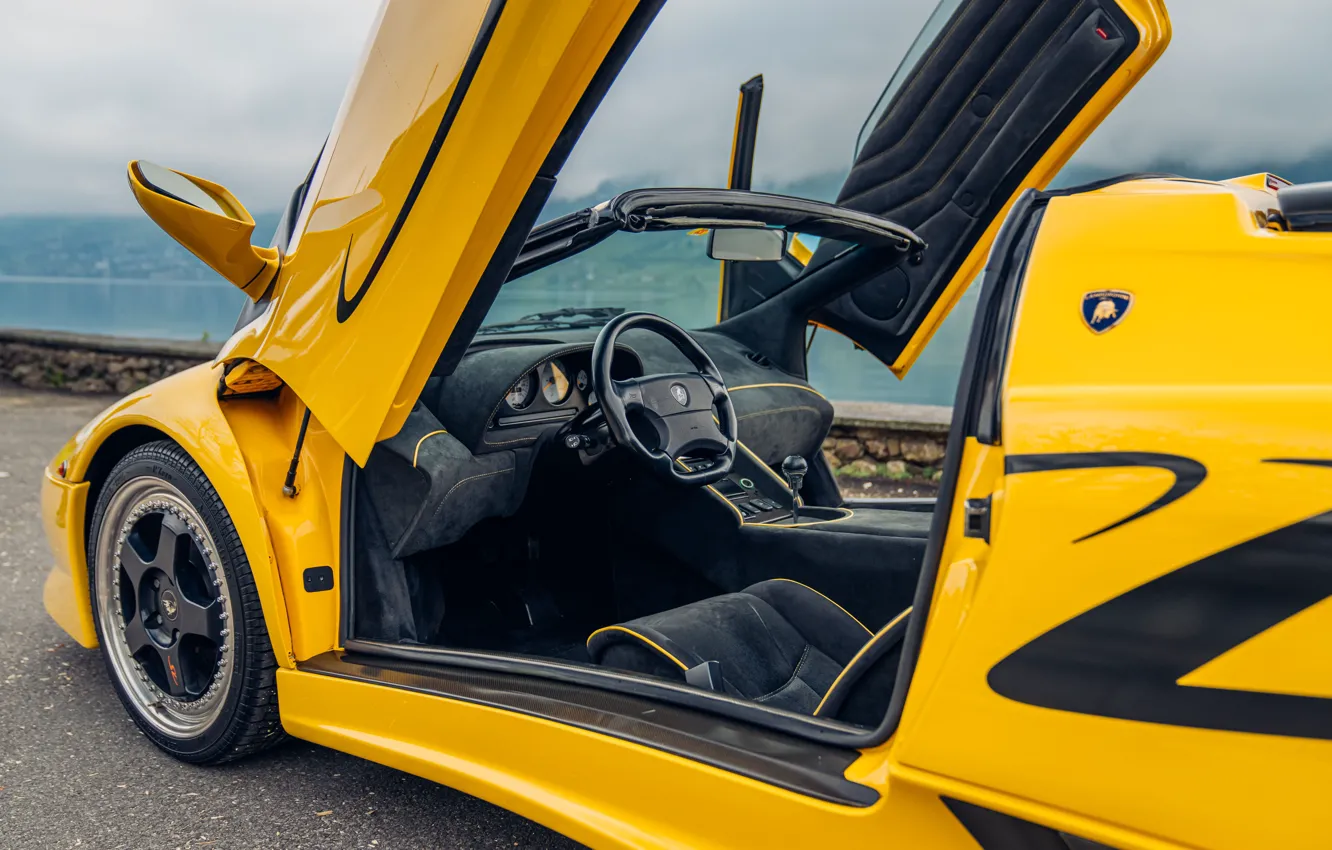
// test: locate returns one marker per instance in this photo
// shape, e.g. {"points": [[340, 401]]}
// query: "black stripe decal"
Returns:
{"points": [[346, 307], [1188, 474], [1123, 658]]}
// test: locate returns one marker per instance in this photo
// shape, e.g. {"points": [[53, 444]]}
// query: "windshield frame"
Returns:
{"points": [[643, 210]]}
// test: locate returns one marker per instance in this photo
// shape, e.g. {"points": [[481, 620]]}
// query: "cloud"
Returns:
{"points": [[244, 92], [1241, 82], [241, 92]]}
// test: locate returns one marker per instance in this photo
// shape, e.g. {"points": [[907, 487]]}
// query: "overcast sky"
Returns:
{"points": [[244, 91]]}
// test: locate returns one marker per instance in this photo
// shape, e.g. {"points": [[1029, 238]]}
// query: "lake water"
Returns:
{"points": [[191, 310]]}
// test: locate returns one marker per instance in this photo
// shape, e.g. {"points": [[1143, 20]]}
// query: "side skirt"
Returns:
{"points": [[782, 760]]}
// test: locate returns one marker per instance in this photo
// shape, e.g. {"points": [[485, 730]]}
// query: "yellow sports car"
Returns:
{"points": [[593, 567]]}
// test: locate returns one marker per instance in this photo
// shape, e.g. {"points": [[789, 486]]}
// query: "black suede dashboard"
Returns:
{"points": [[779, 414]]}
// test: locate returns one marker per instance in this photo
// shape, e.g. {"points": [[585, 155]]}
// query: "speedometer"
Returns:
{"points": [[554, 382], [522, 394]]}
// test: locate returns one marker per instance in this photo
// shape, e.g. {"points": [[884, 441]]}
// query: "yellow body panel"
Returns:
{"points": [[1208, 365], [65, 594], [602, 791], [184, 408], [361, 376]]}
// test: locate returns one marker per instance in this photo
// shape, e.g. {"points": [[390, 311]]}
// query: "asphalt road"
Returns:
{"points": [[75, 772]]}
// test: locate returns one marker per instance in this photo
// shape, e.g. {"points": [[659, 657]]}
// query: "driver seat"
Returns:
{"points": [[778, 642]]}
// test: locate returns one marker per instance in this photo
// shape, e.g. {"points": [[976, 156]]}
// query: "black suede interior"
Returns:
{"points": [[467, 401], [986, 100], [862, 692], [475, 533], [869, 561], [428, 489], [779, 414], [778, 642]]}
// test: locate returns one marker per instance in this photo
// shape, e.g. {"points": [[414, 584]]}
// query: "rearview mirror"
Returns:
{"points": [[208, 220], [746, 244]]}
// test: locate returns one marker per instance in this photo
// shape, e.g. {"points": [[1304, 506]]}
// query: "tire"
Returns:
{"points": [[180, 626]]}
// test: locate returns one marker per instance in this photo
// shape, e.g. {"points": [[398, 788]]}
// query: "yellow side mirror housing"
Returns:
{"points": [[209, 221]]}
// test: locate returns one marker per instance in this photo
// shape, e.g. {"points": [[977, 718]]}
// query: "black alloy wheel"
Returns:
{"points": [[177, 613]]}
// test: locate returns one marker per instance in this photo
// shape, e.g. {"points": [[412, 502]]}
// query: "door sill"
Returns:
{"points": [[623, 707]]}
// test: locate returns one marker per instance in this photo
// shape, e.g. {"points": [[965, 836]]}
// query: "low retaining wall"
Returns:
{"points": [[871, 440], [88, 363], [888, 441]]}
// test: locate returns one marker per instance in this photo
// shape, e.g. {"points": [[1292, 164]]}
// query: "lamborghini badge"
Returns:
{"points": [[1102, 309]]}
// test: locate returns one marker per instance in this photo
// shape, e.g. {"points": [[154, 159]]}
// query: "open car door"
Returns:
{"points": [[442, 154], [992, 99]]}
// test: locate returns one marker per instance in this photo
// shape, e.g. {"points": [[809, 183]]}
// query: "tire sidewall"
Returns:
{"points": [[169, 463]]}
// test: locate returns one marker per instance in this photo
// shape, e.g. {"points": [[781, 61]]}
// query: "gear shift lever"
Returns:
{"points": [[794, 469]]}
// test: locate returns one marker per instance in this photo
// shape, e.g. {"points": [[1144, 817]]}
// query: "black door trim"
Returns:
{"points": [[785, 761]]}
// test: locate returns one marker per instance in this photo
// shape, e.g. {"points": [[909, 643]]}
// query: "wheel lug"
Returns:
{"points": [[224, 633], [217, 582], [222, 615]]}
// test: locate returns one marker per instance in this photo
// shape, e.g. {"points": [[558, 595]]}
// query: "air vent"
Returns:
{"points": [[760, 359]]}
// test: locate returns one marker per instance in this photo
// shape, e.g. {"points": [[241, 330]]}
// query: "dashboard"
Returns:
{"points": [[512, 391], [554, 391]]}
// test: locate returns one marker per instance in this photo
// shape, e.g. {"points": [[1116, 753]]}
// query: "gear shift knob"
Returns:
{"points": [[794, 469]]}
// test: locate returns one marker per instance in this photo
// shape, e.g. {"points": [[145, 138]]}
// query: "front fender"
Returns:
{"points": [[184, 408]]}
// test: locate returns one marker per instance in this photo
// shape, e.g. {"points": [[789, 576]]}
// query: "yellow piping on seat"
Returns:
{"points": [[825, 596], [794, 386], [643, 638], [883, 631]]}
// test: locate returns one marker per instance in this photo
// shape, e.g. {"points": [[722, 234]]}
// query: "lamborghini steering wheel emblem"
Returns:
{"points": [[1103, 309], [681, 394]]}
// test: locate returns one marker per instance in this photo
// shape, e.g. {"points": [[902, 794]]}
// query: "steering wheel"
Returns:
{"points": [[668, 420]]}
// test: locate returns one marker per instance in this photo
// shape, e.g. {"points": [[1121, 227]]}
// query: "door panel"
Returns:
{"points": [[1144, 642], [997, 103], [438, 140]]}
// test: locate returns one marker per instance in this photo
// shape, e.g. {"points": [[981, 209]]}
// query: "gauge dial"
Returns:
{"points": [[522, 394], [583, 382], [554, 382]]}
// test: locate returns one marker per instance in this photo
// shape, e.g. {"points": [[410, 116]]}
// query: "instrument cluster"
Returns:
{"points": [[553, 382]]}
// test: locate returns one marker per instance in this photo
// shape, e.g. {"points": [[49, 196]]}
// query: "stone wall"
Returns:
{"points": [[93, 364], [888, 441]]}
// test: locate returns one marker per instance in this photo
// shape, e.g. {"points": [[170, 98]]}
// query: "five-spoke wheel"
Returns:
{"points": [[176, 612], [167, 599]]}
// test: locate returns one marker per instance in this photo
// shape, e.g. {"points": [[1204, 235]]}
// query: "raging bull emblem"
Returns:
{"points": [[1103, 309]]}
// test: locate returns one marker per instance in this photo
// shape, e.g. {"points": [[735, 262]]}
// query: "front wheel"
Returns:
{"points": [[177, 612]]}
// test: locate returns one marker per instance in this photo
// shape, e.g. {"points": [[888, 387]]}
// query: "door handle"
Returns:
{"points": [[977, 519]]}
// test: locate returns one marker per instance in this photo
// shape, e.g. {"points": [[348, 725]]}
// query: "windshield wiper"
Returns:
{"points": [[565, 318]]}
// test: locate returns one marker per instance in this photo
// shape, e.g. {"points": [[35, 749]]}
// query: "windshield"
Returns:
{"points": [[668, 273], [665, 123]]}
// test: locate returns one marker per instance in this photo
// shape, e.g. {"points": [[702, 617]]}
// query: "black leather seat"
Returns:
{"points": [[777, 642]]}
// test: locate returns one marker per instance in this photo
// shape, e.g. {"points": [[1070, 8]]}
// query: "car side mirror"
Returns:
{"points": [[208, 220], [747, 244]]}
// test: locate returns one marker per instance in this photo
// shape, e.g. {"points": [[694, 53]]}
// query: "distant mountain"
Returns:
{"points": [[102, 247], [132, 247]]}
